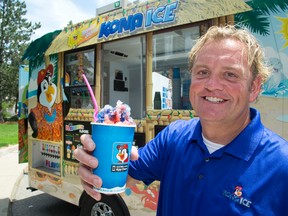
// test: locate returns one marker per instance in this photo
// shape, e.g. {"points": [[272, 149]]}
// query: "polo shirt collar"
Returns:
{"points": [[244, 145]]}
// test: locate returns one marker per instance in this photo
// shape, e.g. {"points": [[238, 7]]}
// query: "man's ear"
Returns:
{"points": [[255, 88]]}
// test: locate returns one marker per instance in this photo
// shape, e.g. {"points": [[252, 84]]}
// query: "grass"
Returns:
{"points": [[8, 134]]}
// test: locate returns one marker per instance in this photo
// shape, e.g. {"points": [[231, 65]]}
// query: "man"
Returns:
{"points": [[226, 162]]}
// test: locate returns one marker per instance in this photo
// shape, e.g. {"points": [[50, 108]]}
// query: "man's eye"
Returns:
{"points": [[201, 73], [230, 75]]}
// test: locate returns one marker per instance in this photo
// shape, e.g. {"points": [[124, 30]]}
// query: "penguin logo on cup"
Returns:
{"points": [[123, 153]]}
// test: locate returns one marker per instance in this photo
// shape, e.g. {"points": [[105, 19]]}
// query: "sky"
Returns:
{"points": [[56, 14]]}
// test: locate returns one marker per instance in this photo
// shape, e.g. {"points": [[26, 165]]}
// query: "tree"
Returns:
{"points": [[15, 33]]}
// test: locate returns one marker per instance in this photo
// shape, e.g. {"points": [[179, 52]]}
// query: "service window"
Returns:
{"points": [[170, 76], [77, 63], [123, 74]]}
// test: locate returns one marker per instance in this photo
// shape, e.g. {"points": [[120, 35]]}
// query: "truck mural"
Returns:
{"points": [[268, 22]]}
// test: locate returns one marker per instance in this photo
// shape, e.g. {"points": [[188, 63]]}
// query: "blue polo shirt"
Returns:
{"points": [[247, 177]]}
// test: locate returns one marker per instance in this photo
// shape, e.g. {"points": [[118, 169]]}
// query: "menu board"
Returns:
{"points": [[72, 133]]}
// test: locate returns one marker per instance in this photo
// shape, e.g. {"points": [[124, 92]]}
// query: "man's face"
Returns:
{"points": [[222, 87]]}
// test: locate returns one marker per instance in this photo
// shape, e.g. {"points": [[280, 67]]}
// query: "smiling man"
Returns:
{"points": [[223, 85], [226, 162]]}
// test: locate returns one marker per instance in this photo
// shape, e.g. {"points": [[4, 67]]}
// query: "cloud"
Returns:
{"points": [[56, 14]]}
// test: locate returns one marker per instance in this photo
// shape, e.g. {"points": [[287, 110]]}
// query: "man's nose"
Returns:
{"points": [[213, 82]]}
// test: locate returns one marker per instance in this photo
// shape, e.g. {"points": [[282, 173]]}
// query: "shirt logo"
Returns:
{"points": [[237, 197], [238, 191]]}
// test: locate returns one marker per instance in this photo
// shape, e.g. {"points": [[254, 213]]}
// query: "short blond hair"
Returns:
{"points": [[254, 50]]}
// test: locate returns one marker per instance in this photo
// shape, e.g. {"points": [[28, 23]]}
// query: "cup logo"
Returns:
{"points": [[120, 157], [123, 154]]}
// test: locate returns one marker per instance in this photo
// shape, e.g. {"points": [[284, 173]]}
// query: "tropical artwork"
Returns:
{"points": [[23, 113], [268, 21], [27, 88], [45, 118]]}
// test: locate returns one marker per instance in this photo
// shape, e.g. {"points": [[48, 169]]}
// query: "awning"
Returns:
{"points": [[141, 18]]}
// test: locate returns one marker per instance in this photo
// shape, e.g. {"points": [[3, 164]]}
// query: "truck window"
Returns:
{"points": [[170, 76], [123, 73], [77, 63]]}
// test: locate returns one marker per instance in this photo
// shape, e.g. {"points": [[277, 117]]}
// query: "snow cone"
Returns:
{"points": [[113, 134]]}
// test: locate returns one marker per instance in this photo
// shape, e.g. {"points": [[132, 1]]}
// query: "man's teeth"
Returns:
{"points": [[214, 99]]}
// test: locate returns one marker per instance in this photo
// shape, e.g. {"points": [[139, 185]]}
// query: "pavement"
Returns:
{"points": [[11, 173]]}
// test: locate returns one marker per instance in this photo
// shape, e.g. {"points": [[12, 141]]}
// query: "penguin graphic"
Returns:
{"points": [[123, 153], [46, 118], [238, 191]]}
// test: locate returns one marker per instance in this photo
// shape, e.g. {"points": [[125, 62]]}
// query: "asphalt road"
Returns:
{"points": [[38, 203]]}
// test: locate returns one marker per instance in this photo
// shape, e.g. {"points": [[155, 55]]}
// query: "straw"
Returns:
{"points": [[92, 97]]}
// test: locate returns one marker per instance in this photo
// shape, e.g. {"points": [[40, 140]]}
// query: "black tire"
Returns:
{"points": [[109, 205]]}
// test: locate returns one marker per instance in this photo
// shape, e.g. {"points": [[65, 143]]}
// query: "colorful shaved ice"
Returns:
{"points": [[115, 115]]}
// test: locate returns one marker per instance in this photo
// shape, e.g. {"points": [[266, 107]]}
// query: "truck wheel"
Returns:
{"points": [[109, 205]]}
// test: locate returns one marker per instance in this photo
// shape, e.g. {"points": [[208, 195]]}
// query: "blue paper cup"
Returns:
{"points": [[113, 147]]}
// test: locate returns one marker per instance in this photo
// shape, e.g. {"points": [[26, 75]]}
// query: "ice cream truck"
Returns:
{"points": [[136, 53]]}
